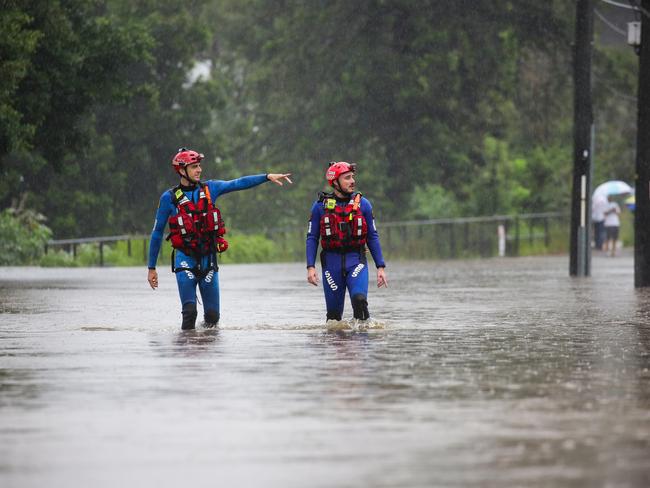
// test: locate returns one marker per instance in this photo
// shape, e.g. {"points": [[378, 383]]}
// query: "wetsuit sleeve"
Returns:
{"points": [[165, 207], [373, 237], [313, 233], [219, 187]]}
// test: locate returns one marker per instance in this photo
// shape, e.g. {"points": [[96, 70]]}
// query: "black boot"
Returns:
{"points": [[360, 307], [211, 318], [333, 316], [189, 316]]}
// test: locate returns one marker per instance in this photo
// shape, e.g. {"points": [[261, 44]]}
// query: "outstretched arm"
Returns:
{"points": [[218, 187]]}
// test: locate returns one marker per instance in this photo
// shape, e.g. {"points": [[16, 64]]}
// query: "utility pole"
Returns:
{"points": [[580, 246], [642, 183]]}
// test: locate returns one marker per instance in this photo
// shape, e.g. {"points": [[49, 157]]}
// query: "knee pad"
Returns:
{"points": [[189, 316], [360, 307], [211, 318]]}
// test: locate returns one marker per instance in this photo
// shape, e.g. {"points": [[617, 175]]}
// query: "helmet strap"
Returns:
{"points": [[187, 176], [337, 188]]}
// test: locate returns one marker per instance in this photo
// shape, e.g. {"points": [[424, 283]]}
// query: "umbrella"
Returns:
{"points": [[613, 187]]}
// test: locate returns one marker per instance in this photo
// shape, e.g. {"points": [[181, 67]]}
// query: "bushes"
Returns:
{"points": [[22, 237], [243, 249]]}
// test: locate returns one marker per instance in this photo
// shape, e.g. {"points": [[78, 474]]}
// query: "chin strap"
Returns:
{"points": [[338, 187], [187, 177]]}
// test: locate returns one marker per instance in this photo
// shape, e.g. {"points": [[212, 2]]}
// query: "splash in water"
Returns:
{"points": [[354, 325]]}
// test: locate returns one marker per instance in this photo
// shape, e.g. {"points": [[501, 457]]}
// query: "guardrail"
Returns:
{"points": [[496, 235], [72, 244]]}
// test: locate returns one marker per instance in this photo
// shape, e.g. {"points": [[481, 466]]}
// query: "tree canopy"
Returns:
{"points": [[449, 108]]}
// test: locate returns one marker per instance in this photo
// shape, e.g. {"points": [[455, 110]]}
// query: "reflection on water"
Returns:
{"points": [[187, 343], [500, 373]]}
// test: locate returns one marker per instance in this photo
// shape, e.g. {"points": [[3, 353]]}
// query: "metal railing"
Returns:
{"points": [[72, 244], [497, 235]]}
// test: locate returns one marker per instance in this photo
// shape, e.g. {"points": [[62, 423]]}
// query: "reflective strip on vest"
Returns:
{"points": [[360, 228], [216, 220], [328, 230], [180, 225]]}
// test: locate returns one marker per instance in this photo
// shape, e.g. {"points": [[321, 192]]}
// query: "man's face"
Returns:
{"points": [[346, 182], [194, 172]]}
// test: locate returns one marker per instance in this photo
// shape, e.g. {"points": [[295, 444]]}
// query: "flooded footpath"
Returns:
{"points": [[486, 373]]}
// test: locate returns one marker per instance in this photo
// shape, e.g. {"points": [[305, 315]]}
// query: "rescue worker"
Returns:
{"points": [[344, 224], [196, 233]]}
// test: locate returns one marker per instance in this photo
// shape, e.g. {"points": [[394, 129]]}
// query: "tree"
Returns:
{"points": [[408, 89]]}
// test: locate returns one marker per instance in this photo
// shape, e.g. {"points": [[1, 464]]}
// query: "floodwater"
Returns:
{"points": [[487, 373]]}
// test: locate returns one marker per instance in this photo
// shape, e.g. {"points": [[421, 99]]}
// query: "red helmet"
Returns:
{"points": [[337, 169], [185, 157]]}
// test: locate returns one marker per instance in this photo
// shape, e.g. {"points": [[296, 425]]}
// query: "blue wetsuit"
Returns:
{"points": [[186, 266], [343, 270]]}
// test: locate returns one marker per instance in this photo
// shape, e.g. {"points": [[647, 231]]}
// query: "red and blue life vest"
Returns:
{"points": [[342, 227], [197, 229]]}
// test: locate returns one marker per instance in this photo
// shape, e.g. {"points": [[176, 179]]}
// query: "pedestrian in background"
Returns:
{"points": [[612, 225], [599, 204]]}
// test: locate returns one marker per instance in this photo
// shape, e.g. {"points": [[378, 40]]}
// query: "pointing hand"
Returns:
{"points": [[278, 177]]}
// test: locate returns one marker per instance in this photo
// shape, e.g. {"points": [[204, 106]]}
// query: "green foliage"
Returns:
{"points": [[58, 259], [433, 202], [449, 108], [615, 89], [17, 44], [250, 249], [22, 237]]}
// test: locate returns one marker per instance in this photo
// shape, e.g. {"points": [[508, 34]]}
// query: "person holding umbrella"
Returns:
{"points": [[607, 208], [612, 225]]}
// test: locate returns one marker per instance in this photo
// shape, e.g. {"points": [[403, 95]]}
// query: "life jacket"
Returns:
{"points": [[342, 227], [197, 229]]}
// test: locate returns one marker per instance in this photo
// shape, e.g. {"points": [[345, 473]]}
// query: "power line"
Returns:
{"points": [[622, 5], [632, 6], [639, 8], [610, 24]]}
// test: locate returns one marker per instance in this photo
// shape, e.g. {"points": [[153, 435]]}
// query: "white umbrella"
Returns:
{"points": [[613, 187]]}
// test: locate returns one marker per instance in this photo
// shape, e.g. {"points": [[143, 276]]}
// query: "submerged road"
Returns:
{"points": [[486, 373]]}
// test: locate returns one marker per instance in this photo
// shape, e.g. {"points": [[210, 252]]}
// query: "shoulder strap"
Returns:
{"points": [[206, 190], [175, 195], [178, 195], [322, 196]]}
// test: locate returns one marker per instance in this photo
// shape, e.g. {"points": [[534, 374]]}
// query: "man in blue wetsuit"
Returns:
{"points": [[344, 224], [196, 233]]}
